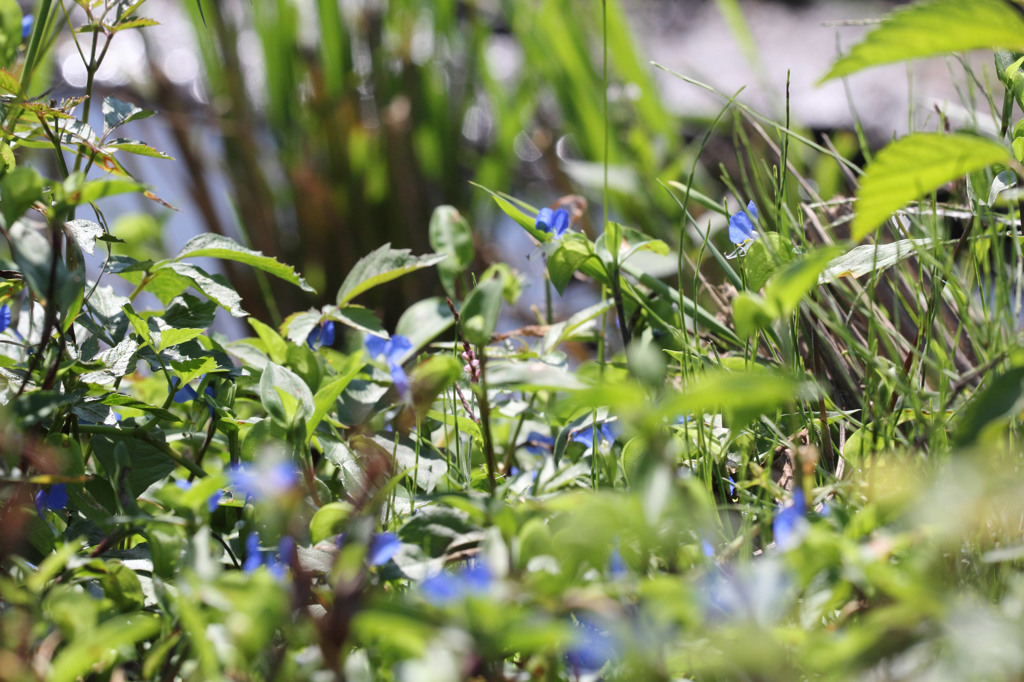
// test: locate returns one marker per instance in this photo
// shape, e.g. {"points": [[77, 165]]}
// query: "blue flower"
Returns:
{"points": [[585, 434], [592, 647], [26, 26], [255, 557], [265, 482], [5, 317], [741, 225], [56, 498], [538, 443], [382, 547], [322, 335], [790, 523], [394, 351], [446, 587], [554, 223]]}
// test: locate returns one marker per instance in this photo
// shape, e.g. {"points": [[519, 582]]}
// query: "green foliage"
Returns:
{"points": [[796, 461]]}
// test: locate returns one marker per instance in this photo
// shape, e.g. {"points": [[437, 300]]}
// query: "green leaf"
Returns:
{"points": [[95, 190], [85, 233], [134, 147], [531, 376], [214, 286], [557, 333], [98, 649], [357, 317], [751, 313], [451, 235], [510, 208], [329, 520], [741, 396], [431, 377], [285, 396], [424, 320], [32, 253], [934, 28], [869, 258], [117, 113], [10, 31], [913, 166], [380, 266], [189, 370], [569, 254], [120, 400], [991, 406], [218, 246], [174, 336], [793, 282], [479, 313], [327, 395], [275, 346], [764, 258], [20, 188]]}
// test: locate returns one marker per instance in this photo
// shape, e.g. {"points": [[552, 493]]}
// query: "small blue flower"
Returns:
{"points": [[322, 335], [593, 646], [255, 557], [265, 482], [555, 223], [707, 549], [56, 498], [538, 443], [187, 394], [741, 225], [446, 587], [5, 317], [382, 547], [585, 434], [26, 26], [790, 523], [616, 564], [394, 351]]}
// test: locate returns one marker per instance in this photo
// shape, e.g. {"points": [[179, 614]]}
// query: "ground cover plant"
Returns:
{"points": [[781, 442]]}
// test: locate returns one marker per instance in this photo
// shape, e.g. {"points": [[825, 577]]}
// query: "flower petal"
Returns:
{"points": [[545, 217], [740, 228], [382, 547], [559, 223]]}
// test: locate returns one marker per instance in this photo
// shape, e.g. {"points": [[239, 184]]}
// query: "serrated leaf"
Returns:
{"points": [[174, 336], [214, 286], [225, 248], [935, 28], [9, 83], [188, 370], [7, 160], [869, 258], [134, 147], [117, 112], [117, 360], [120, 400], [380, 266], [913, 166]]}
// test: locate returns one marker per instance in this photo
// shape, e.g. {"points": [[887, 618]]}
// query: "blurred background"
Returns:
{"points": [[317, 130]]}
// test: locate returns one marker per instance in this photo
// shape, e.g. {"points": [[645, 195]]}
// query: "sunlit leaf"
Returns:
{"points": [[913, 166], [932, 28]]}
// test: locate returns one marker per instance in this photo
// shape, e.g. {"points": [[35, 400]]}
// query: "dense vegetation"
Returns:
{"points": [[779, 440]]}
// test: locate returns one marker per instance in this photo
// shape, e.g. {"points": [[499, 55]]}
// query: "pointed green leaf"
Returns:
{"points": [[225, 248], [101, 647], [913, 166], [117, 113], [934, 28], [869, 258], [380, 266], [214, 286]]}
